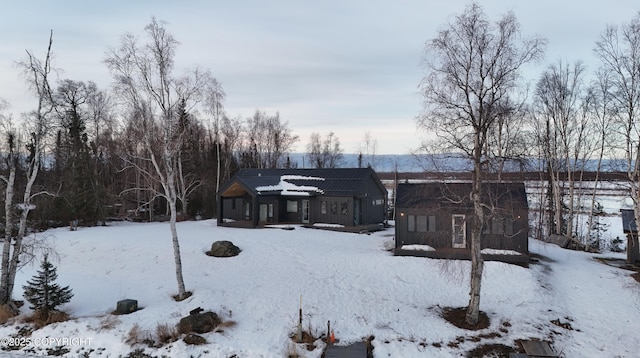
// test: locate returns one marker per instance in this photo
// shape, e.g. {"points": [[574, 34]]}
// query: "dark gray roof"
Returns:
{"points": [[336, 181], [441, 194]]}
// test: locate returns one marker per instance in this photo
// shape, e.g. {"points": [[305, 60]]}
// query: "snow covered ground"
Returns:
{"points": [[349, 279]]}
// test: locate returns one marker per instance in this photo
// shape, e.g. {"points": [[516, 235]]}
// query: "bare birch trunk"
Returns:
{"points": [[5, 293], [39, 80], [596, 181], [182, 292], [572, 192], [557, 201], [477, 263], [172, 196], [22, 226]]}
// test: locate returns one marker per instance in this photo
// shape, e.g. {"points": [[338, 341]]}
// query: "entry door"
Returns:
{"points": [[305, 211], [459, 231]]}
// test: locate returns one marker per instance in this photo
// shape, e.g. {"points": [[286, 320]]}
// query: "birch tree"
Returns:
{"points": [[367, 152], [618, 49], [472, 69], [324, 153], [213, 104], [231, 138], [144, 77], [10, 159], [267, 142], [604, 112], [36, 73], [561, 109]]}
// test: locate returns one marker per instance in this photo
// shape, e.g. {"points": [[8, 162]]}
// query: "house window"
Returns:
{"points": [[334, 208], [292, 206], [459, 227], [323, 207], [233, 204], [497, 227], [247, 211], [421, 223], [344, 208], [432, 223], [270, 211]]}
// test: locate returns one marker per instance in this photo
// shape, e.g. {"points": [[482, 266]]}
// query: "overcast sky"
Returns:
{"points": [[342, 66]]}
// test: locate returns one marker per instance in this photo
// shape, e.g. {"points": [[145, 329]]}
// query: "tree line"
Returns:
{"points": [[87, 141], [158, 142]]}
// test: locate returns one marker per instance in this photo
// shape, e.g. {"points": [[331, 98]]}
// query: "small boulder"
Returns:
{"points": [[199, 323], [223, 249], [194, 339], [126, 306], [7, 311]]}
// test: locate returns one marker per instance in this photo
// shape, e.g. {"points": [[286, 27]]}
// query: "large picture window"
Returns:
{"points": [[421, 223], [499, 226]]}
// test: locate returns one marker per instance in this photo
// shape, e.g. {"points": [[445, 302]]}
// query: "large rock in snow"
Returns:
{"points": [[199, 323], [194, 339], [223, 249]]}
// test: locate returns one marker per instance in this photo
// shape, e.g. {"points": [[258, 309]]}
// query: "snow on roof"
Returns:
{"points": [[299, 177], [287, 188]]}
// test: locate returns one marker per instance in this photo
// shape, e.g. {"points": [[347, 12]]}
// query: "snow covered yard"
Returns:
{"points": [[349, 279]]}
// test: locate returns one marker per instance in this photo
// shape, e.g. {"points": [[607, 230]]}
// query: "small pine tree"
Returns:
{"points": [[43, 293], [597, 227]]}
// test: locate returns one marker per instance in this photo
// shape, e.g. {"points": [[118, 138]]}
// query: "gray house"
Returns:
{"points": [[341, 196], [439, 216]]}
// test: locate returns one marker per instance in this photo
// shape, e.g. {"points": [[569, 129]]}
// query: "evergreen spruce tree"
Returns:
{"points": [[43, 293], [597, 227]]}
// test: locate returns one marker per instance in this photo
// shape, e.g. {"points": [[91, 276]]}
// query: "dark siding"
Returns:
{"points": [[628, 220], [339, 217], [430, 200], [373, 201], [235, 211]]}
